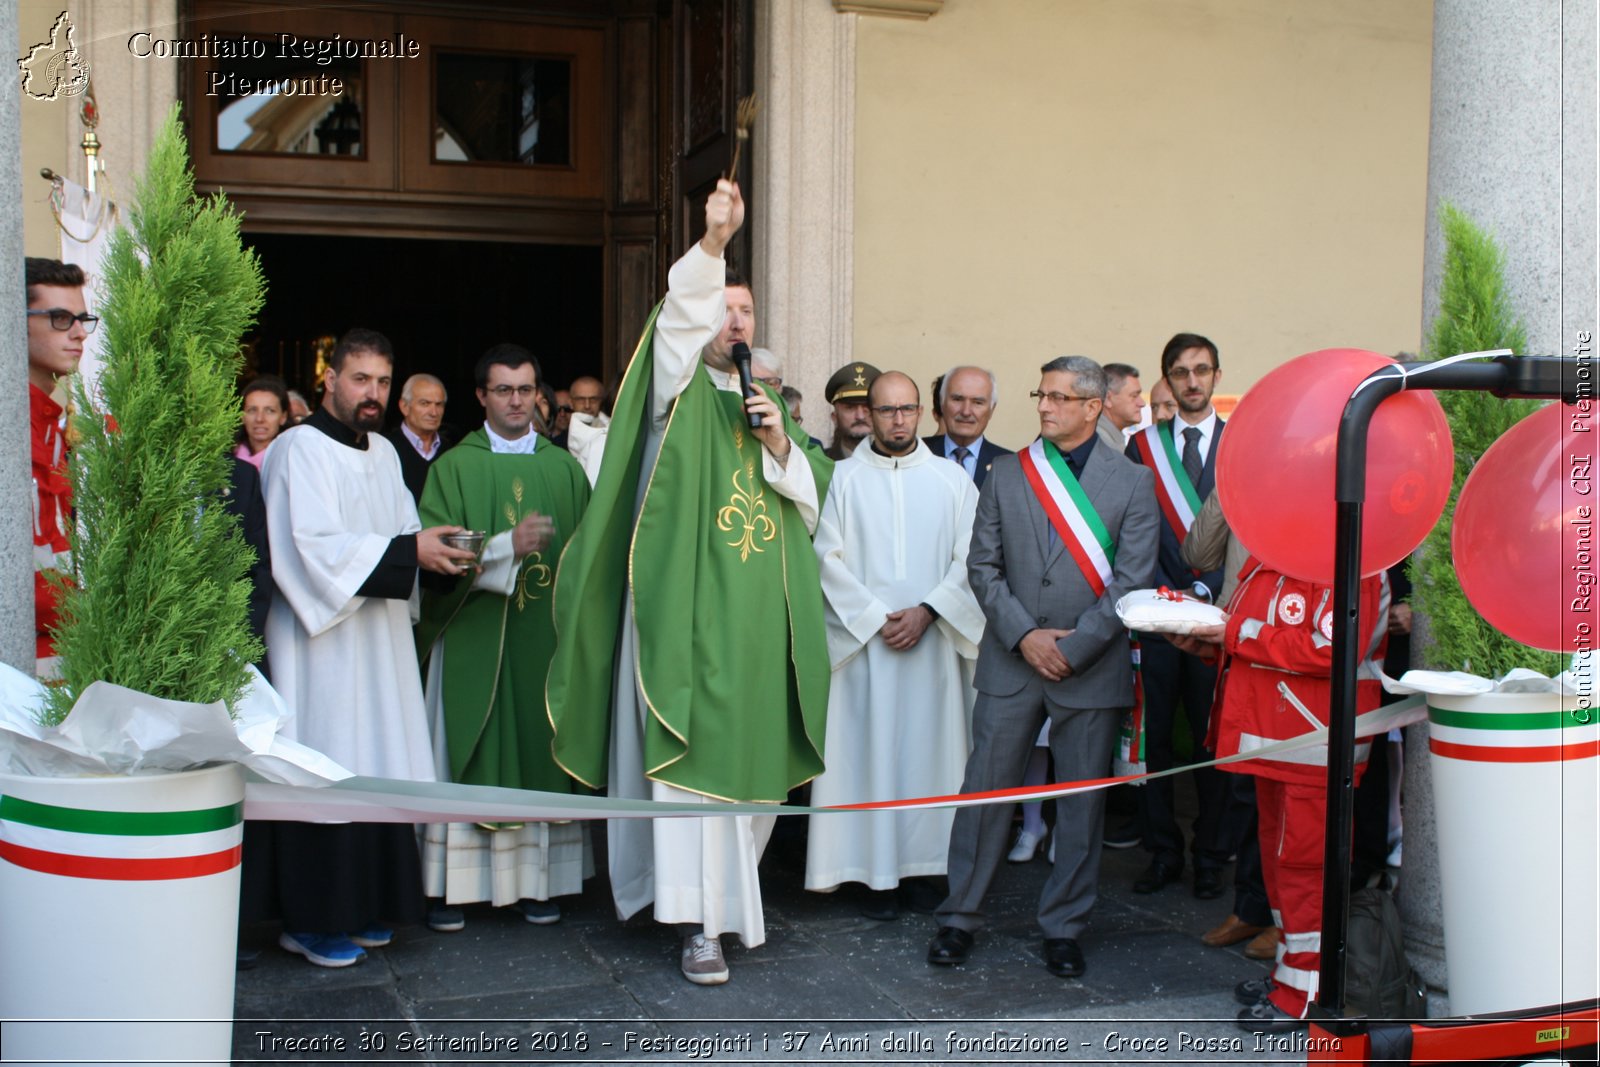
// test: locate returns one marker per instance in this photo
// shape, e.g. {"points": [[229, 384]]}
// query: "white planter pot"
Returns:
{"points": [[1516, 798], [120, 903]]}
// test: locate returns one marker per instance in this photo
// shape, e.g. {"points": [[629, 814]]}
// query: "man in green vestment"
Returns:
{"points": [[692, 663], [486, 642]]}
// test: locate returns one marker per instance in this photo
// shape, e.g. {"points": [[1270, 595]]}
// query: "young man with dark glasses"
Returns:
{"points": [[57, 325]]}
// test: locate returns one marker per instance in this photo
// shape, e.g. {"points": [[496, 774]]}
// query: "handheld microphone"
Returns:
{"points": [[741, 360]]}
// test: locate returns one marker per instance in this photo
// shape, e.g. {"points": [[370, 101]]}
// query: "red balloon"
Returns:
{"points": [[1275, 466], [1523, 539]]}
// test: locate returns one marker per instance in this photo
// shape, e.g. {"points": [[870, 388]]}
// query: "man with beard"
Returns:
{"points": [[847, 392], [346, 546], [903, 629], [1183, 454], [966, 397]]}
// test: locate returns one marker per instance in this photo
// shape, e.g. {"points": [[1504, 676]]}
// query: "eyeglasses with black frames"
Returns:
{"points": [[62, 319]]}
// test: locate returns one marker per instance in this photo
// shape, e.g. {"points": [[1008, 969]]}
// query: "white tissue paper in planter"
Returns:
{"points": [[117, 731]]}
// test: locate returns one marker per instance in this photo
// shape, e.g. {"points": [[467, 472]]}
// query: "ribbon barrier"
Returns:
{"points": [[392, 800]]}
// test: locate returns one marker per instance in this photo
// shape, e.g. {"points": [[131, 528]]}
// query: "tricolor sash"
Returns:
{"points": [[1179, 500], [1071, 515]]}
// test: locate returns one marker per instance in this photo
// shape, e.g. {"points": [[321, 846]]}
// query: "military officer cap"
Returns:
{"points": [[851, 382]]}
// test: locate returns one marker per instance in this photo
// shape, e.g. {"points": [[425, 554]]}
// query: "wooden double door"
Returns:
{"points": [[585, 132]]}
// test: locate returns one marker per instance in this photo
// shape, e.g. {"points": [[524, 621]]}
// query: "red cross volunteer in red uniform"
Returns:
{"points": [[1280, 629]]}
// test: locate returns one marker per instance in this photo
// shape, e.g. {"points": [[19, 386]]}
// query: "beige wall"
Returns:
{"points": [[44, 137], [133, 96], [1046, 177]]}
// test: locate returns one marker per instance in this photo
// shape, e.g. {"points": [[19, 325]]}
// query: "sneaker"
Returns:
{"points": [[1265, 1017], [540, 912], [1253, 990], [374, 936], [1124, 835], [445, 919], [325, 950], [1025, 849], [702, 960]]}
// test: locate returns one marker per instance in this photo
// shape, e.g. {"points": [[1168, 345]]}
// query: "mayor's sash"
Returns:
{"points": [[1179, 500], [1071, 515]]}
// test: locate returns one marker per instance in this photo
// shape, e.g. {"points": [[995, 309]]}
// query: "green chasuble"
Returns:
{"points": [[732, 655], [497, 648]]}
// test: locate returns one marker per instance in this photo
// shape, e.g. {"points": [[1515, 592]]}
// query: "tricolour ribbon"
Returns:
{"points": [[393, 800]]}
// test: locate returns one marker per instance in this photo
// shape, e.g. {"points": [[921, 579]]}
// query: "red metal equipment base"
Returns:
{"points": [[1567, 1032]]}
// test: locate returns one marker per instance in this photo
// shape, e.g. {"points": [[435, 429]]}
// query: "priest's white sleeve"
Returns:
{"points": [[854, 614], [690, 317], [499, 563], [960, 615], [793, 479]]}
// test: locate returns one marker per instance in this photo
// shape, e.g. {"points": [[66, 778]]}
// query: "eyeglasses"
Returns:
{"points": [[564, 409], [1059, 398], [62, 319], [1199, 374], [889, 411], [501, 392], [776, 383]]}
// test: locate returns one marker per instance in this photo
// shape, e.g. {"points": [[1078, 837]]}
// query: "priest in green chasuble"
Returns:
{"points": [[486, 641], [692, 660]]}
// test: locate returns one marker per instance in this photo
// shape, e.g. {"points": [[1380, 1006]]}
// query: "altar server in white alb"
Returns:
{"points": [[346, 546], [892, 546]]}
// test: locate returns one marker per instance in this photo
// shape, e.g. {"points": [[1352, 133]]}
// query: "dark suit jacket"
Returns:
{"points": [[1025, 579], [1171, 570], [243, 498], [987, 454], [413, 468]]}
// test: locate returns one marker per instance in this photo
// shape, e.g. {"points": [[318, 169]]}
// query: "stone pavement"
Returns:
{"points": [[859, 990]]}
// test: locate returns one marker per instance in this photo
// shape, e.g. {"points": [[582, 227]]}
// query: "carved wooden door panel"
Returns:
{"points": [[714, 53]]}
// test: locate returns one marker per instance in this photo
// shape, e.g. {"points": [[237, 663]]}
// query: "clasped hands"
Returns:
{"points": [[901, 630]]}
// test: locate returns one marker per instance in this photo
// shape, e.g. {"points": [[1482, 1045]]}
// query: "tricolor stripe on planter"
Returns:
{"points": [[120, 845], [1514, 737]]}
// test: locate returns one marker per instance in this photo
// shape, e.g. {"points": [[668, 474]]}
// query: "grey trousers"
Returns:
{"points": [[1003, 732]]}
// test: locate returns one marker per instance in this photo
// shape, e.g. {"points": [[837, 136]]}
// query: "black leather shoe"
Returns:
{"points": [[1155, 876], [881, 904], [949, 946], [1062, 957], [1207, 883]]}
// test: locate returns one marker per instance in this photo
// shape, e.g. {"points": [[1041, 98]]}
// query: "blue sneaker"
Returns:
{"points": [[325, 950], [373, 936], [539, 912]]}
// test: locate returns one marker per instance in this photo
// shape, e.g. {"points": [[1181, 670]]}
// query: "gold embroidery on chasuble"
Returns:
{"points": [[534, 574], [746, 514]]}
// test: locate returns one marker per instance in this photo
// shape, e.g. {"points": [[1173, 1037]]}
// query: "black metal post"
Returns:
{"points": [[1505, 376]]}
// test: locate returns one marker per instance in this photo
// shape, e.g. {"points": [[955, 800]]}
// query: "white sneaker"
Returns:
{"points": [[1025, 849], [702, 960]]}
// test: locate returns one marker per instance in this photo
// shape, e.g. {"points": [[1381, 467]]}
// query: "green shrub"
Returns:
{"points": [[161, 598], [1475, 315]]}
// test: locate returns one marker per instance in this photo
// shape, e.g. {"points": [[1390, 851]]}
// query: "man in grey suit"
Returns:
{"points": [[1053, 649]]}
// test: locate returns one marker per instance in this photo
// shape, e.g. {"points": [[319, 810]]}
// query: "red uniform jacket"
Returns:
{"points": [[52, 510], [1280, 629]]}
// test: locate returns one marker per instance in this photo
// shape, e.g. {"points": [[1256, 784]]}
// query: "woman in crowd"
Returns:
{"points": [[266, 414]]}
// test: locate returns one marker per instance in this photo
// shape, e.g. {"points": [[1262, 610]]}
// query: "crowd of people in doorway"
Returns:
{"points": [[740, 612]]}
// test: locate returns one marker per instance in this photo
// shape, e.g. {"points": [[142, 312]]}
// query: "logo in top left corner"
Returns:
{"points": [[55, 68]]}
